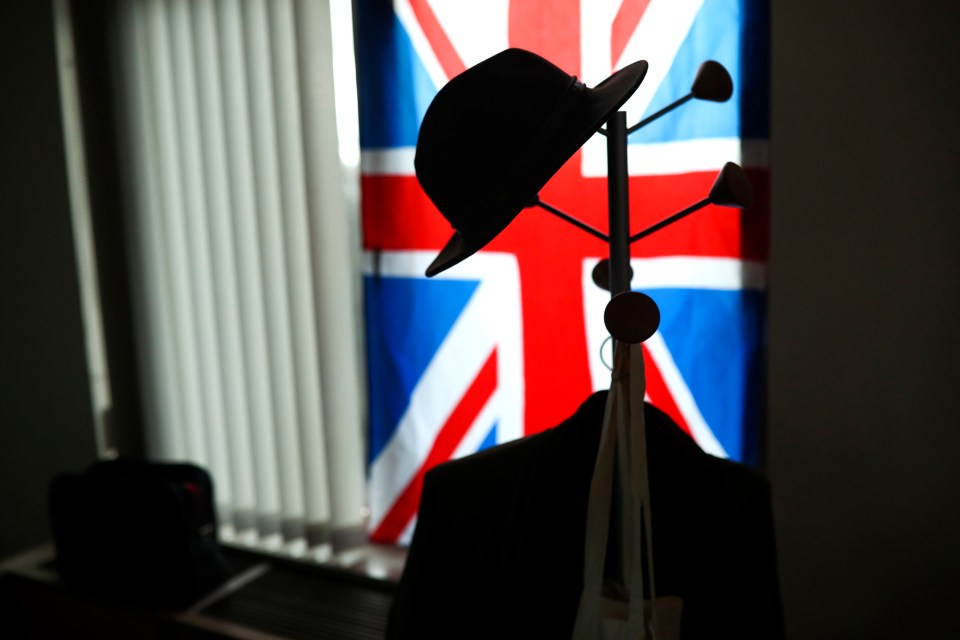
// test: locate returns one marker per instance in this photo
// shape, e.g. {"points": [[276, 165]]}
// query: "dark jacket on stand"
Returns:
{"points": [[498, 548]]}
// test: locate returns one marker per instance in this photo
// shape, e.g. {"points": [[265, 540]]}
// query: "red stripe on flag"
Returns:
{"points": [[659, 394], [437, 37], [397, 215], [550, 28], [446, 442], [624, 24]]}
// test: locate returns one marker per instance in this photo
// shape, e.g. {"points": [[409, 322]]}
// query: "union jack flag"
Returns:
{"points": [[509, 342]]}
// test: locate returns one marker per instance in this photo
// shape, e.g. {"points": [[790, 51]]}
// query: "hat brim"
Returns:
{"points": [[595, 107]]}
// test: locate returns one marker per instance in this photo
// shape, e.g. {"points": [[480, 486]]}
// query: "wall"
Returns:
{"points": [[46, 425], [865, 295]]}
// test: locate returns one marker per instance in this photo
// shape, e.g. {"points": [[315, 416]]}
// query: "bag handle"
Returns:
{"points": [[624, 436], [635, 437]]}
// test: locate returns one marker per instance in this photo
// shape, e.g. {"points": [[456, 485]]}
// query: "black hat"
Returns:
{"points": [[496, 133]]}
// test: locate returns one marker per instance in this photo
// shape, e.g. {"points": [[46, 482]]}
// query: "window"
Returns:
{"points": [[243, 248]]}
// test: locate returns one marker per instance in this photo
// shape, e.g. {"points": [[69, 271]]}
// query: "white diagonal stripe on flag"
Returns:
{"points": [[484, 324], [658, 37], [436, 395], [682, 272], [420, 42], [461, 20], [682, 396]]}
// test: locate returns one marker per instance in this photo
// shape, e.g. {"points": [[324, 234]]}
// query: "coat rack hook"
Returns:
{"points": [[631, 317], [730, 189], [601, 274], [563, 215], [712, 83]]}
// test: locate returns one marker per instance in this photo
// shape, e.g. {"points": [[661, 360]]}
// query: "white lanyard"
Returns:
{"points": [[624, 436]]}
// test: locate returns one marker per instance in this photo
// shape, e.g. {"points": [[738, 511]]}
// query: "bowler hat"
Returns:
{"points": [[496, 133]]}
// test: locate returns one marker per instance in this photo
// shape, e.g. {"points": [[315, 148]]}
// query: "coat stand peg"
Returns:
{"points": [[601, 274], [713, 83], [731, 188], [631, 317]]}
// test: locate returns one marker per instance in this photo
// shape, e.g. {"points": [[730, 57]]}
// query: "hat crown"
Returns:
{"points": [[480, 124], [495, 134]]}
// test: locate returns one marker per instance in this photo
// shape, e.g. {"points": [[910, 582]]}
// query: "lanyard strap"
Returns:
{"points": [[623, 436], [634, 439]]}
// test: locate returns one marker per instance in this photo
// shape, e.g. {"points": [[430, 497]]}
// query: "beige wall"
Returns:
{"points": [[865, 303], [45, 416]]}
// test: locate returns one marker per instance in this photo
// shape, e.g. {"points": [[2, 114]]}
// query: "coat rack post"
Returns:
{"points": [[619, 203]]}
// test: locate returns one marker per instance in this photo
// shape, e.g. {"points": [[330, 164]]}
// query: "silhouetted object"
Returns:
{"points": [[712, 83], [631, 317], [730, 189], [137, 532], [498, 548], [481, 159], [601, 274], [498, 551]]}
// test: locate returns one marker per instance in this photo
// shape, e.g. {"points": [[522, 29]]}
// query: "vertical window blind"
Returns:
{"points": [[244, 254]]}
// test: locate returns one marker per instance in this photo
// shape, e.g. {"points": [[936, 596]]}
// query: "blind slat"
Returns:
{"points": [[270, 226], [335, 273], [161, 395], [173, 233], [293, 180], [198, 250], [225, 266], [240, 164]]}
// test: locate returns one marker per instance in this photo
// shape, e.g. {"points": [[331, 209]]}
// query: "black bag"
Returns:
{"points": [[144, 533]]}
